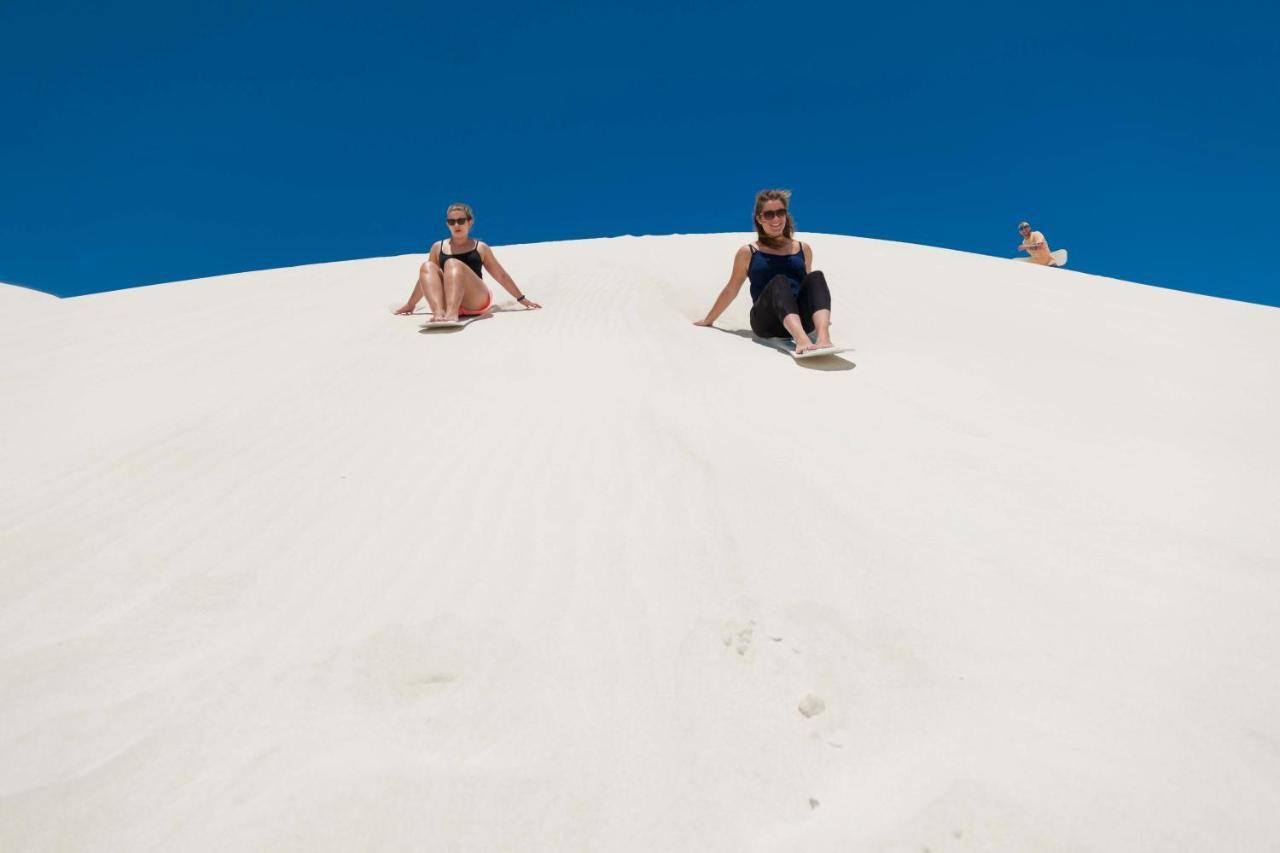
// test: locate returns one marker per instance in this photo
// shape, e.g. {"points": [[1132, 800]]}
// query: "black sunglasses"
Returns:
{"points": [[463, 221], [773, 214]]}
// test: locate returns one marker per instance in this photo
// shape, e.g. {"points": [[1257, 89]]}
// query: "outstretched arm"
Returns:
{"points": [[740, 263], [418, 293], [501, 276]]}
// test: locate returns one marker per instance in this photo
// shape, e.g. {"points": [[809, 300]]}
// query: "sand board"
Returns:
{"points": [[454, 324], [789, 347]]}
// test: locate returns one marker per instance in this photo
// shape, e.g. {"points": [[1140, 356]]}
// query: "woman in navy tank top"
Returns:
{"points": [[452, 278], [787, 300]]}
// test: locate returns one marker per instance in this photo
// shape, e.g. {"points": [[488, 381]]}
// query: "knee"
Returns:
{"points": [[454, 273], [779, 282], [428, 269], [816, 282]]}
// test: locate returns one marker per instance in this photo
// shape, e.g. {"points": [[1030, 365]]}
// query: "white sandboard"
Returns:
{"points": [[454, 324], [789, 347], [1059, 258]]}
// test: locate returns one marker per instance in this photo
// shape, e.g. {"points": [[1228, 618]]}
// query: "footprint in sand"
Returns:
{"points": [[739, 636], [812, 706]]}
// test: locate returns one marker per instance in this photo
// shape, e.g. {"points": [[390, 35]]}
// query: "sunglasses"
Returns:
{"points": [[463, 221], [770, 215]]}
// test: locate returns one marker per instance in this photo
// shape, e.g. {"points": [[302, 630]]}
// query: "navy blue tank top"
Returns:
{"points": [[764, 267], [470, 258]]}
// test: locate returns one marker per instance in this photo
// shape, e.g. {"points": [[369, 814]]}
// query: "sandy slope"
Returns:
{"points": [[278, 572]]}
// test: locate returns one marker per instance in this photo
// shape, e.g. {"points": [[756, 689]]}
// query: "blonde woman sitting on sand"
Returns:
{"points": [[452, 277], [787, 299]]}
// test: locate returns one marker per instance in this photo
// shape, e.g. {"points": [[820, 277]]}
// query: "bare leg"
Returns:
{"points": [[420, 288], [432, 284], [453, 288], [814, 302], [822, 325], [463, 289], [796, 328]]}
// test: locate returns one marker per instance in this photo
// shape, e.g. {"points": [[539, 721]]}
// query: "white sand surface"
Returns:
{"points": [[280, 572]]}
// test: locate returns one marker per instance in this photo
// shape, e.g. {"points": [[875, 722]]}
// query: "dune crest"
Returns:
{"points": [[280, 572]]}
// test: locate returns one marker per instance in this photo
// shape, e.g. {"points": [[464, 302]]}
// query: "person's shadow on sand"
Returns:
{"points": [[824, 363]]}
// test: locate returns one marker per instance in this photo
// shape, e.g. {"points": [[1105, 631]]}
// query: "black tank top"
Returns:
{"points": [[470, 258], [765, 265]]}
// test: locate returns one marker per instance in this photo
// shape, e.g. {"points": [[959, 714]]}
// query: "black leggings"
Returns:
{"points": [[776, 301]]}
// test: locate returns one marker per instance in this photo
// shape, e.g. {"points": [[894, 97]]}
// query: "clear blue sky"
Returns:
{"points": [[150, 142]]}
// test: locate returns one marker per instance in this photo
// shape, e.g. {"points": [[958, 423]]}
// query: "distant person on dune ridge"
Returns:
{"points": [[787, 298], [1034, 244], [457, 289]]}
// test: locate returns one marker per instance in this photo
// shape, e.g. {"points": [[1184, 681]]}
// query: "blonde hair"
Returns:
{"points": [[763, 197], [457, 205]]}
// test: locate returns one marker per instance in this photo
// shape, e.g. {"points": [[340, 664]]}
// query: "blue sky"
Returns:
{"points": [[146, 142]]}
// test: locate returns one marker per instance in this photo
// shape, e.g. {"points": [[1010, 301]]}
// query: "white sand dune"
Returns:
{"points": [[279, 572]]}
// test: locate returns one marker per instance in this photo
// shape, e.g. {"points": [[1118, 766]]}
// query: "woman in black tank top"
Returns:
{"points": [[452, 278], [788, 297]]}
